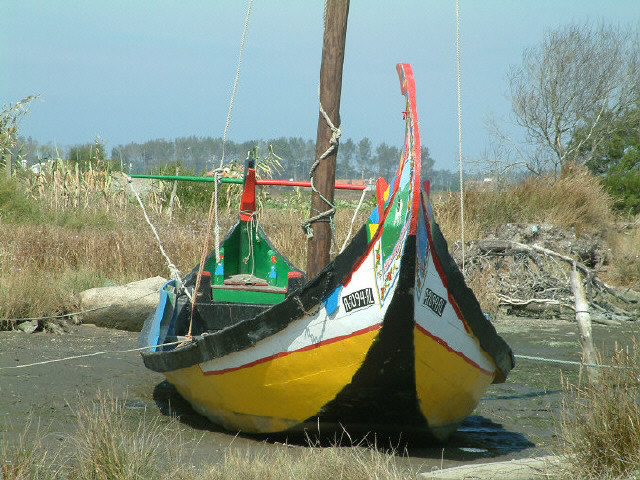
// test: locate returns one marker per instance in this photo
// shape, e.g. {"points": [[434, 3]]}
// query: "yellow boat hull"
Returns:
{"points": [[276, 394]]}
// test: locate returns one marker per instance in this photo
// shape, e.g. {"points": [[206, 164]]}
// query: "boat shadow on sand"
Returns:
{"points": [[478, 437]]}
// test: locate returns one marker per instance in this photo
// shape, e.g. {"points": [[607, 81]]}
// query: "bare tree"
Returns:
{"points": [[580, 77]]}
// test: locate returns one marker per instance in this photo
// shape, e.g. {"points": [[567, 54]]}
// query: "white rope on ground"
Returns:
{"points": [[85, 355], [460, 132], [139, 349], [235, 82], [52, 317], [565, 362], [355, 214], [174, 272]]}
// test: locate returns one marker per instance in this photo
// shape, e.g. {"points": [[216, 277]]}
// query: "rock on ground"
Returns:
{"points": [[125, 306]]}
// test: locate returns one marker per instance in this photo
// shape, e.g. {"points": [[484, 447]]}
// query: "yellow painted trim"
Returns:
{"points": [[447, 385], [277, 394]]}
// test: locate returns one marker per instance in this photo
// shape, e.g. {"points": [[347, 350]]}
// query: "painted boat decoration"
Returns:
{"points": [[387, 337]]}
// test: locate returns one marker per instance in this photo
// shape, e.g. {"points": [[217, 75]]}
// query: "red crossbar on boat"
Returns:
{"points": [[301, 183], [209, 178]]}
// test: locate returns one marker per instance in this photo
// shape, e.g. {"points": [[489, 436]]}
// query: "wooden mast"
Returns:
{"points": [[335, 33]]}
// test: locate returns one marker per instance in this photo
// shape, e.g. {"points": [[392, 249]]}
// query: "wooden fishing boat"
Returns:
{"points": [[387, 337]]}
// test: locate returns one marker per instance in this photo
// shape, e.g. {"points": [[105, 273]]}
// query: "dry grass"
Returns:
{"points": [[292, 463], [53, 252], [112, 443], [600, 426], [27, 459], [66, 235], [42, 266], [624, 268], [107, 448], [574, 200]]}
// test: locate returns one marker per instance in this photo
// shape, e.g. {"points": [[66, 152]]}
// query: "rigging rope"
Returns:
{"points": [[566, 362], [235, 82], [213, 216], [66, 315], [333, 144], [460, 131], [174, 272], [353, 219], [213, 205]]}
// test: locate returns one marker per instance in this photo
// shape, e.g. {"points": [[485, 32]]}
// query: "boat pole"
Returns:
{"points": [[335, 33]]}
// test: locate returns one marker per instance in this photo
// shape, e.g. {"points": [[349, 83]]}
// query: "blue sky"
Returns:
{"points": [[131, 71]]}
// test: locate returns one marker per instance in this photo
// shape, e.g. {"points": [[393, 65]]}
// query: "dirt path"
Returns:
{"points": [[514, 420]]}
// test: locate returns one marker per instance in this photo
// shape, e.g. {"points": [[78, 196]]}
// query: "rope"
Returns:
{"points": [[235, 82], [213, 216], [216, 230], [174, 272], [333, 144], [333, 141], [250, 237], [65, 315], [460, 131], [355, 214], [106, 352], [565, 362], [94, 354]]}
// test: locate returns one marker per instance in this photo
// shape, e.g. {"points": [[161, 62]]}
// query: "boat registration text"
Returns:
{"points": [[358, 299]]}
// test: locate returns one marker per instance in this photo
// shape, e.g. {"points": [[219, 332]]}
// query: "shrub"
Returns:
{"points": [[15, 206]]}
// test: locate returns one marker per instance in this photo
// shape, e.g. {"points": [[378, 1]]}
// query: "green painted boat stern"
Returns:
{"points": [[250, 269]]}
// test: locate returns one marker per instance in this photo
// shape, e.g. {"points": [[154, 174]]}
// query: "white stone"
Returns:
{"points": [[125, 306]]}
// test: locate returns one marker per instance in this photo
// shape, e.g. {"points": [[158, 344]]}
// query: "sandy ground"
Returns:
{"points": [[515, 420]]}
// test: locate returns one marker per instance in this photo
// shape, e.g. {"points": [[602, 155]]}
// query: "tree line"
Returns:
{"points": [[575, 100], [356, 160]]}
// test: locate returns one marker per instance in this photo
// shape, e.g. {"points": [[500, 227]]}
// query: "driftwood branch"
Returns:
{"points": [[533, 278], [583, 319]]}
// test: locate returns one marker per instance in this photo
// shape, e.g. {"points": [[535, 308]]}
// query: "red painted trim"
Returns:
{"points": [[440, 270], [303, 349], [238, 287], [460, 354], [408, 88], [301, 183]]}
